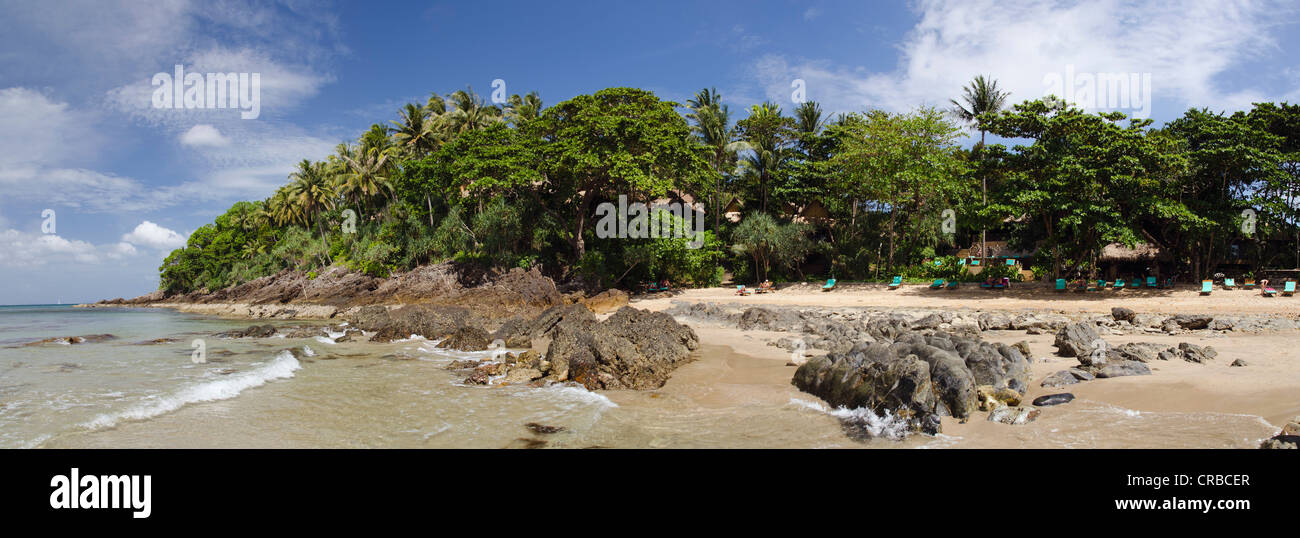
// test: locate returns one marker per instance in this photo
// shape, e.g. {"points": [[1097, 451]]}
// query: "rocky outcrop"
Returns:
{"points": [[467, 339], [429, 321], [1076, 340], [1288, 438], [1197, 354], [68, 340], [605, 301], [632, 349]]}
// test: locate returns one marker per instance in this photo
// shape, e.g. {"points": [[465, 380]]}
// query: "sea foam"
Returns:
{"points": [[281, 367]]}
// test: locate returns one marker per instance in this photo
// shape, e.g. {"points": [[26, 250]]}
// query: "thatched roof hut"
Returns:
{"points": [[1116, 252]]}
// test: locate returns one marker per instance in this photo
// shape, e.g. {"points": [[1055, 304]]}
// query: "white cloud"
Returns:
{"points": [[1188, 47], [204, 135], [33, 250], [153, 235], [812, 13]]}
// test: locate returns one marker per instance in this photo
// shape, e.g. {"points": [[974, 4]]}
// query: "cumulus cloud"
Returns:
{"points": [[33, 250], [153, 235], [1189, 48], [204, 135]]}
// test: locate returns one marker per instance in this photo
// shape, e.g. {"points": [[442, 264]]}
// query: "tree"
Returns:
{"points": [[712, 124], [469, 113], [312, 192], [980, 97], [767, 135], [417, 132]]}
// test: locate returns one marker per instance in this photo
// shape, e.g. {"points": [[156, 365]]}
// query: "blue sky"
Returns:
{"points": [[128, 182]]}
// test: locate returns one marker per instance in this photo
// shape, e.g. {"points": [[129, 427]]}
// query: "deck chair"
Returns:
{"points": [[1169, 283], [1288, 289], [1267, 291], [1060, 284], [830, 285], [952, 284], [1207, 286], [898, 281], [1137, 283], [937, 284], [1119, 284], [1229, 283], [742, 290], [1151, 282], [1101, 285], [1248, 285], [986, 285], [1011, 261], [1002, 283]]}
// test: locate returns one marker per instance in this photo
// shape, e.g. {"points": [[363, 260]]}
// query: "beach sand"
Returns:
{"points": [[1182, 404]]}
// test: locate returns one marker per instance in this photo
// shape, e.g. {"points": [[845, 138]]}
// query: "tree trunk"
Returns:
{"points": [[580, 246], [429, 203], [984, 189]]}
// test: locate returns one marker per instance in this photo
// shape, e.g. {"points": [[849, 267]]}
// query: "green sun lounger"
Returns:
{"points": [[1288, 289], [898, 281], [1151, 282], [830, 285], [1060, 284], [1229, 283], [1137, 283], [952, 284], [1206, 287], [1119, 284], [1268, 292], [938, 283]]}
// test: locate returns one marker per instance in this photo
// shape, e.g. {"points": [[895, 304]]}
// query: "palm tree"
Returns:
{"points": [[417, 132], [523, 109], [765, 134], [470, 113], [980, 97], [808, 118], [311, 188], [712, 124], [367, 174]]}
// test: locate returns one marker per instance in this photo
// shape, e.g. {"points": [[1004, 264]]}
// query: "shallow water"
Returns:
{"points": [[314, 393]]}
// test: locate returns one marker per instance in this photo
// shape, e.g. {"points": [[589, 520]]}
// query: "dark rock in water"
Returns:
{"points": [[67, 340], [1123, 368], [1122, 314], [1059, 379], [253, 331], [1192, 322], [467, 339], [997, 365], [634, 349], [515, 332], [1239, 362], [543, 429], [1076, 340], [1053, 399], [1194, 353], [573, 317], [1289, 442], [463, 364], [1013, 415], [429, 321], [477, 377], [156, 341]]}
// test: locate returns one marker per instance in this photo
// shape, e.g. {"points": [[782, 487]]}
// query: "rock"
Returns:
{"points": [[1076, 339], [467, 339], [574, 317], [463, 364], [1123, 368], [872, 377], [1059, 379], [1290, 442], [1123, 314], [1013, 415], [1081, 375], [1171, 327], [1197, 354], [606, 301], [1139, 351], [529, 359], [1239, 362], [990, 398], [995, 321], [253, 331], [1192, 322], [429, 321], [1023, 347], [477, 377], [520, 376], [543, 429], [515, 332], [635, 349], [1053, 399]]}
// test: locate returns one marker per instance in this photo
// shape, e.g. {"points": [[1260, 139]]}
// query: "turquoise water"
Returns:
{"points": [[48, 389]]}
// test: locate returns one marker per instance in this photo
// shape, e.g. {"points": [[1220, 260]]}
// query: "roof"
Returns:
{"points": [[1116, 252]]}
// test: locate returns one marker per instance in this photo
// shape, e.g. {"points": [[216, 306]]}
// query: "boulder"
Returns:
{"points": [[1059, 379], [1076, 339], [1014, 415], [1081, 375], [1123, 314], [515, 332], [1053, 399], [1139, 351], [633, 349], [467, 339], [606, 301], [1192, 322], [1239, 363], [1197, 354], [1123, 368]]}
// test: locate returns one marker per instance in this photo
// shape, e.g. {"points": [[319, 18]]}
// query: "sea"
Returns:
{"points": [[142, 384]]}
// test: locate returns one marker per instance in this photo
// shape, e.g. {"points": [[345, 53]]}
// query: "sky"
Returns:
{"points": [[86, 139]]}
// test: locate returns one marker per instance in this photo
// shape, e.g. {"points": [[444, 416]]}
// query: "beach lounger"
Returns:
{"points": [[830, 285], [1151, 282], [1248, 285], [898, 281], [1101, 285], [1060, 284], [1267, 292], [1011, 261], [1002, 283], [952, 284], [1137, 283], [742, 290], [1207, 286], [1169, 283], [986, 285], [1288, 289], [1229, 283], [1119, 284], [938, 283]]}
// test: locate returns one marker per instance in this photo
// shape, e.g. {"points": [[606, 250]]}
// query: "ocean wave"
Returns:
{"points": [[308, 351], [325, 340], [281, 367], [861, 420]]}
